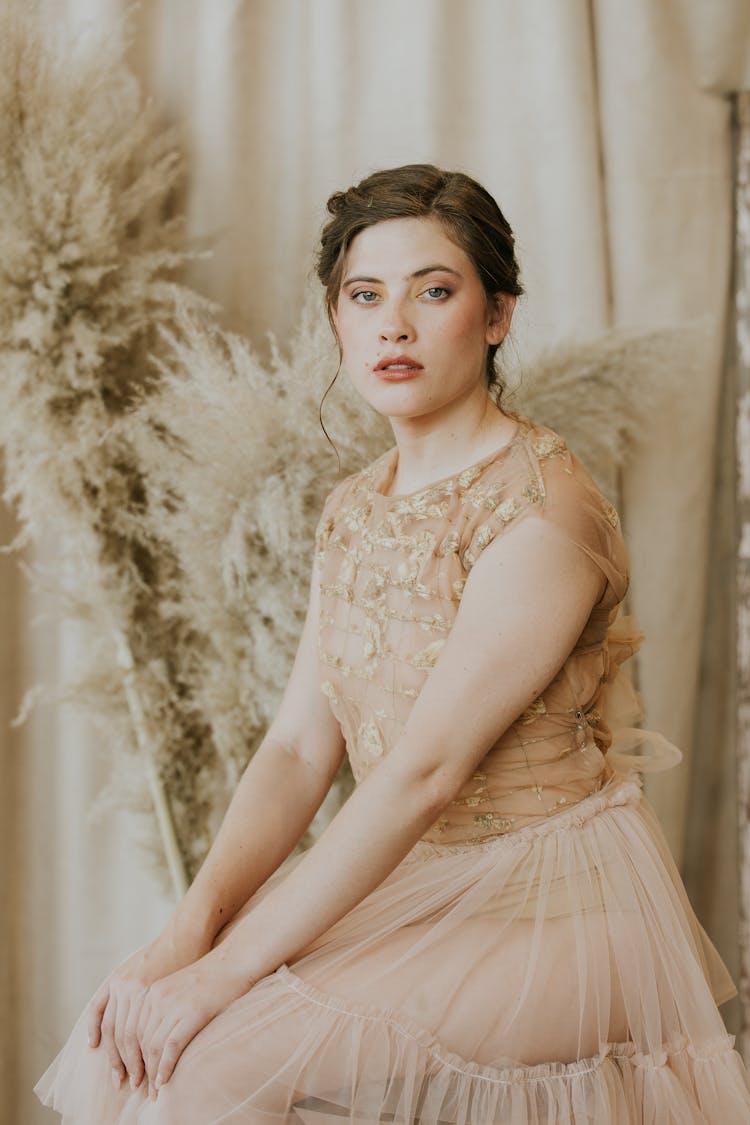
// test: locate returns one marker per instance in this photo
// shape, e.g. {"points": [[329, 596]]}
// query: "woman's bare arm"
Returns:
{"points": [[280, 791], [278, 795]]}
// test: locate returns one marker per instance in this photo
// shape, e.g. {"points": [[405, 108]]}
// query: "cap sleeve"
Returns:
{"points": [[326, 521], [545, 479]]}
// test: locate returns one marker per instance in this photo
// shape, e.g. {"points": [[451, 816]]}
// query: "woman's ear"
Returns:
{"points": [[500, 311]]}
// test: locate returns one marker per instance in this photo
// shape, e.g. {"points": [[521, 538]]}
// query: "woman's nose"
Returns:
{"points": [[395, 324]]}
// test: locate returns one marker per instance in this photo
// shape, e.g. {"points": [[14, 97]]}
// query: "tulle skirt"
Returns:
{"points": [[553, 976]]}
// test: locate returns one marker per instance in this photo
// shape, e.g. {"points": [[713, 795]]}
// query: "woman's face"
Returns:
{"points": [[413, 319]]}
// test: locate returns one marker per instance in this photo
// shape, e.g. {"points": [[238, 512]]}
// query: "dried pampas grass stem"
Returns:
{"points": [[146, 744]]}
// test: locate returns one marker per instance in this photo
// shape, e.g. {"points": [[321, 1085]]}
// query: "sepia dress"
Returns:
{"points": [[534, 958]]}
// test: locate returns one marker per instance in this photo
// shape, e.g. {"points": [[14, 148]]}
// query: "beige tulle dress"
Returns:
{"points": [[534, 959]]}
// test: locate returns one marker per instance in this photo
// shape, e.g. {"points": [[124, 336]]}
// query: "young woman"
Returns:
{"points": [[492, 928]]}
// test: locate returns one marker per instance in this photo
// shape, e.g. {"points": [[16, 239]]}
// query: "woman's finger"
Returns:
{"points": [[148, 1028], [126, 1038], [118, 1031], [155, 1049], [96, 1011], [174, 1044], [109, 1045], [137, 1068]]}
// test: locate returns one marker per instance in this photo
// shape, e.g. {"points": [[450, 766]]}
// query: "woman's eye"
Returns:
{"points": [[364, 297], [437, 291]]}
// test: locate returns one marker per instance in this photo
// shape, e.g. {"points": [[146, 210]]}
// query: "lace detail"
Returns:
{"points": [[393, 570]]}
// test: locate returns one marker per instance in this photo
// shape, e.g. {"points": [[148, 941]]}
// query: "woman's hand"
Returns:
{"points": [[115, 1008], [177, 1007]]}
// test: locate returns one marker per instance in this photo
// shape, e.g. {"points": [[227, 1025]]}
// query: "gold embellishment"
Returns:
{"points": [[508, 510], [449, 545], [468, 476], [469, 802], [534, 492], [486, 495], [427, 657], [372, 645], [483, 536], [549, 445], [376, 583], [355, 519], [370, 740], [328, 689], [335, 661], [374, 605], [478, 797], [610, 512], [493, 821], [435, 622], [421, 506], [533, 711], [340, 590]]}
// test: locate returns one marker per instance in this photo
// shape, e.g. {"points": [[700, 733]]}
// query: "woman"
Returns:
{"points": [[492, 928]]}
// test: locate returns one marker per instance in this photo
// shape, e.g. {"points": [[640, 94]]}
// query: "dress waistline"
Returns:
{"points": [[619, 789]]}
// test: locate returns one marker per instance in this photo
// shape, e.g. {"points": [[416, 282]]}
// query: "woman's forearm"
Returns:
{"points": [[381, 821], [274, 803]]}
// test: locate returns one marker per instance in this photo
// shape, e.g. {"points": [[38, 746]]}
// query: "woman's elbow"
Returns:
{"points": [[428, 787]]}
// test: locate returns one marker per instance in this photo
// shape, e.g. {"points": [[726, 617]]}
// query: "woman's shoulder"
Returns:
{"points": [[542, 476], [544, 470]]}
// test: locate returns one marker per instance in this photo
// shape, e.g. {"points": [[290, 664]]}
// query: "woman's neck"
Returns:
{"points": [[447, 447]]}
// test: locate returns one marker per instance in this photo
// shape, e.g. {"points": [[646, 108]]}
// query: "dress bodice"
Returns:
{"points": [[392, 571]]}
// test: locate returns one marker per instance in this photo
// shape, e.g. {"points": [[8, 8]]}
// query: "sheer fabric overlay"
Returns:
{"points": [[534, 958]]}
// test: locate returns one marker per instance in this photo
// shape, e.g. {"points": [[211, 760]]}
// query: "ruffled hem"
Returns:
{"points": [[423, 1083], [431, 1046], [553, 976], [683, 1083]]}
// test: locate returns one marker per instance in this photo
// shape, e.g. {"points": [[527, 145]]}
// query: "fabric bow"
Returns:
{"points": [[621, 706]]}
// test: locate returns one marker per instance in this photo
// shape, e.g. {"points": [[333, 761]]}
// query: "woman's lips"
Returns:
{"points": [[397, 374]]}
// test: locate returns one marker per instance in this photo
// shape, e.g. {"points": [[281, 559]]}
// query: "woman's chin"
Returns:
{"points": [[394, 400]]}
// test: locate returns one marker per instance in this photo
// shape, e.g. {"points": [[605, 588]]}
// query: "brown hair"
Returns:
{"points": [[468, 211]]}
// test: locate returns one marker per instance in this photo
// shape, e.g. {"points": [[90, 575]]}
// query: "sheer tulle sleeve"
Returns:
{"points": [[554, 486], [325, 524]]}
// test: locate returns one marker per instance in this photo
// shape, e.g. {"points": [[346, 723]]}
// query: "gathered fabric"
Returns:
{"points": [[534, 958]]}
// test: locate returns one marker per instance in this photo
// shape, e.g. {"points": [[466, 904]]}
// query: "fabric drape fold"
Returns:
{"points": [[632, 746]]}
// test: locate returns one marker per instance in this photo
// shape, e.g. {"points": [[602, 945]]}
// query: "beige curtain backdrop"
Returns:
{"points": [[604, 130]]}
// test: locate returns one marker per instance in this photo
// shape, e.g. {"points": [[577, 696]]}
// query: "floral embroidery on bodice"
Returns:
{"points": [[392, 572]]}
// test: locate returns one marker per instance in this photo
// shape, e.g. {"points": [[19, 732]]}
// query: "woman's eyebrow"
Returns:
{"points": [[437, 268]]}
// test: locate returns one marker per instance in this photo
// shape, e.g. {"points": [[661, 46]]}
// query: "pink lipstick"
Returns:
{"points": [[397, 368]]}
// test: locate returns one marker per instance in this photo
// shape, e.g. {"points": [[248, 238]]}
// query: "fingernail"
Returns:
{"points": [[116, 1079], [133, 1083], [159, 1081]]}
